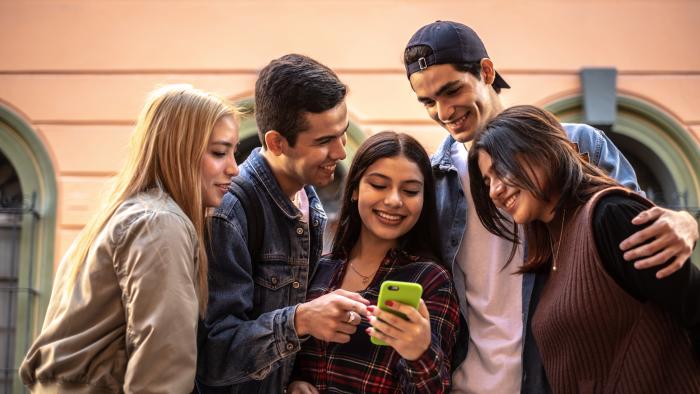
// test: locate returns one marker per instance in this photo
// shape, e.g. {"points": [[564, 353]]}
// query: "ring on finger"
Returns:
{"points": [[351, 317]]}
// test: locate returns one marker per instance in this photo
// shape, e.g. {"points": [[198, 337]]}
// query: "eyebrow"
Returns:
{"points": [[323, 137], [377, 174], [416, 181], [224, 143], [447, 86]]}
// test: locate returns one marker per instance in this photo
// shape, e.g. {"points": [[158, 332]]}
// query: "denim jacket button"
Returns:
{"points": [[454, 242], [315, 224], [289, 346], [295, 284], [300, 230], [274, 280]]}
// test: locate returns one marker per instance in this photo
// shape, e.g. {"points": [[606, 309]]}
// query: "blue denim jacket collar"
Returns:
{"points": [[262, 171], [253, 299], [442, 159]]}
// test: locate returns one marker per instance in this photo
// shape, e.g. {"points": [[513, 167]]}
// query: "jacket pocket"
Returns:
{"points": [[273, 275], [273, 280]]}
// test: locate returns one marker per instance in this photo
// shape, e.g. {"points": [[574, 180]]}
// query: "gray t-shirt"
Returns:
{"points": [[494, 299]]}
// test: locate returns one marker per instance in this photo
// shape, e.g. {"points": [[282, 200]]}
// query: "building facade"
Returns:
{"points": [[74, 75]]}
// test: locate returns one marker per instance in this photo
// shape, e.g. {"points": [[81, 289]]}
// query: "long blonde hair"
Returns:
{"points": [[165, 152]]}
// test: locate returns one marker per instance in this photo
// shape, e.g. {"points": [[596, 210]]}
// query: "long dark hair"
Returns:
{"points": [[518, 139], [422, 240]]}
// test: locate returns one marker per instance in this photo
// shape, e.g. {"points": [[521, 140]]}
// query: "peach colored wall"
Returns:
{"points": [[80, 70]]}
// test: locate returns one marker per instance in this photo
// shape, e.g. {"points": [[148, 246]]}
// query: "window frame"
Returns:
{"points": [[28, 155]]}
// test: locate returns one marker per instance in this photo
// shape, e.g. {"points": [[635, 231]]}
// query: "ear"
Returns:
{"points": [[354, 196], [488, 73], [276, 143]]}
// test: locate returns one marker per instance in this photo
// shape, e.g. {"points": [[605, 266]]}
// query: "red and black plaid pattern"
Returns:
{"points": [[360, 366]]}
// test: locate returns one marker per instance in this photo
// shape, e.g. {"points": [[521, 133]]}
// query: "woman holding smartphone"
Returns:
{"points": [[600, 325], [128, 293], [387, 231]]}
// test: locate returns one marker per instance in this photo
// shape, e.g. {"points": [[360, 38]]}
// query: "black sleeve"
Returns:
{"points": [[678, 293]]}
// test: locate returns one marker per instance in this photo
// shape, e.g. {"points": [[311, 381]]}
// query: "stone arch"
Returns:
{"points": [[663, 152], [27, 156]]}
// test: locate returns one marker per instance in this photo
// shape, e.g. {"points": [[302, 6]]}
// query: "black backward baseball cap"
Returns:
{"points": [[452, 43]]}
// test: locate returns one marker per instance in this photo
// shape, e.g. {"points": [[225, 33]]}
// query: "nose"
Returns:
{"points": [[337, 149], [496, 188], [231, 167], [444, 111], [393, 199]]}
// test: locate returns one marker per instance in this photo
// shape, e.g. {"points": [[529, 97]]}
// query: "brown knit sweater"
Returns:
{"points": [[594, 337]]}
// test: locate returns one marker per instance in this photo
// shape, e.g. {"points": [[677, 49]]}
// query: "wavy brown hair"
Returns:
{"points": [[519, 139]]}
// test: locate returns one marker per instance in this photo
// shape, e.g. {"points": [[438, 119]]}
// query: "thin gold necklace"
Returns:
{"points": [[551, 244], [365, 278]]}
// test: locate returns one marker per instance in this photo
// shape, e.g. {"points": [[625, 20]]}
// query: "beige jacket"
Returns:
{"points": [[130, 323]]}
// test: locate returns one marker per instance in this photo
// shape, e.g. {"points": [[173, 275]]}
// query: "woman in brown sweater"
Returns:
{"points": [[601, 326]]}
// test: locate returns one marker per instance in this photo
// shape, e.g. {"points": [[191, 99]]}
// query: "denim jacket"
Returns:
{"points": [[452, 217], [248, 340]]}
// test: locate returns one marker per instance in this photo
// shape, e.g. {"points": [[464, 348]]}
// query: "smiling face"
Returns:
{"points": [[457, 100], [218, 164], [318, 149], [519, 203], [389, 199]]}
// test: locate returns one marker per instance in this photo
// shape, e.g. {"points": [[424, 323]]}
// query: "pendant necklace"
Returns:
{"points": [[551, 244], [365, 278]]}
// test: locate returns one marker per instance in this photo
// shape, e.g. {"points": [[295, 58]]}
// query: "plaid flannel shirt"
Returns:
{"points": [[359, 365]]}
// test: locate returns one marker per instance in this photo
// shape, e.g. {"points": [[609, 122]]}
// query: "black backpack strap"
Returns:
{"points": [[245, 193]]}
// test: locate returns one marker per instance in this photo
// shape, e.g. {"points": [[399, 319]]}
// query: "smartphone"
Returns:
{"points": [[404, 292]]}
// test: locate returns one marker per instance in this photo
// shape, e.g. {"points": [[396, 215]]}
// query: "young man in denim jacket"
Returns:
{"points": [[450, 72], [257, 316]]}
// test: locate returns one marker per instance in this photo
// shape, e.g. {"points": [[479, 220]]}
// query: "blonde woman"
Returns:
{"points": [[126, 299]]}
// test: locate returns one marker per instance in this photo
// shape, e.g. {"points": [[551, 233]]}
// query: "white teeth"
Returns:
{"points": [[388, 216], [329, 168], [457, 122], [509, 202]]}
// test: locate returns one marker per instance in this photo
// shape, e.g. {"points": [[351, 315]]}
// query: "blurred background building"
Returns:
{"points": [[74, 75]]}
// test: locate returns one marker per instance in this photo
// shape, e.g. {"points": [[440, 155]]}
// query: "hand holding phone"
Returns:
{"points": [[406, 293]]}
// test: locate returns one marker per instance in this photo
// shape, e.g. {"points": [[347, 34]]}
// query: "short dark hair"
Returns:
{"points": [[518, 139], [290, 87], [412, 54], [421, 240]]}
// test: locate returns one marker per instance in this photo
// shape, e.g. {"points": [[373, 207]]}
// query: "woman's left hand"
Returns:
{"points": [[410, 338]]}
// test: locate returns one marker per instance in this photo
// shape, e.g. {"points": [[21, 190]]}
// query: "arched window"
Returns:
{"points": [[27, 227], [664, 155], [330, 195]]}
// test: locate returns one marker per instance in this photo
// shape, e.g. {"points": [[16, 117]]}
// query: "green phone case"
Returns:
{"points": [[404, 292]]}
